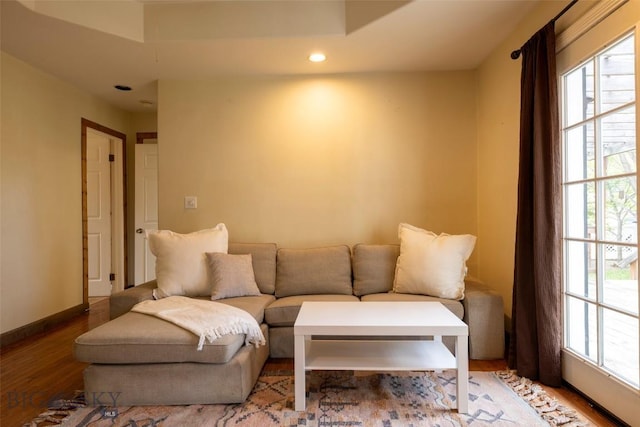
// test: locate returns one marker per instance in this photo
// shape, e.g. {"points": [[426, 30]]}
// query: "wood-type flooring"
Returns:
{"points": [[41, 368]]}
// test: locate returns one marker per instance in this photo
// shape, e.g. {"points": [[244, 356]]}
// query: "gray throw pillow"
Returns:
{"points": [[231, 276]]}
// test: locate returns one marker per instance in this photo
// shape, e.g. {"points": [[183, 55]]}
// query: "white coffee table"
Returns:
{"points": [[379, 319]]}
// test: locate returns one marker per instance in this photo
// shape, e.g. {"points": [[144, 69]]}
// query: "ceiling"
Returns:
{"points": [[101, 43]]}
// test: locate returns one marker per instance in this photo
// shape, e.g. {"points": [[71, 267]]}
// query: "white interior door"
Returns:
{"points": [[146, 209], [99, 213]]}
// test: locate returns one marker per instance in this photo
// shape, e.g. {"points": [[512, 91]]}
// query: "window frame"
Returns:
{"points": [[598, 240]]}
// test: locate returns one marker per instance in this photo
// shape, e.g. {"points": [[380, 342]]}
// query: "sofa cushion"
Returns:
{"points": [[284, 311], [431, 264], [231, 276], [263, 258], [454, 306], [374, 267], [140, 338], [181, 266], [313, 271], [254, 305], [136, 338]]}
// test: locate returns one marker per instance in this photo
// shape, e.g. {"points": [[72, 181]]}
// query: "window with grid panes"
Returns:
{"points": [[601, 211]]}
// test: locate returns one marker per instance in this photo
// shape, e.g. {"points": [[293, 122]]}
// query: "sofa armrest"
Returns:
{"points": [[484, 314], [121, 302]]}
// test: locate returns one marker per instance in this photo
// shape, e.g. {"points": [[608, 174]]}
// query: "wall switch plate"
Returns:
{"points": [[190, 202]]}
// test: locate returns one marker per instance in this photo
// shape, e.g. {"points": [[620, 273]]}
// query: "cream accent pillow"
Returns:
{"points": [[431, 264], [181, 263], [231, 276]]}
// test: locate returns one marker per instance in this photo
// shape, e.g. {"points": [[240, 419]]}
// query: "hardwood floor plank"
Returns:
{"points": [[41, 368]]}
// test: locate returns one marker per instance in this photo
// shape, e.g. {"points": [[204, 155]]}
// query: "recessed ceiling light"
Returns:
{"points": [[317, 57], [123, 87]]}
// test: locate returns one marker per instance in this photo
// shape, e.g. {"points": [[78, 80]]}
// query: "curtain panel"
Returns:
{"points": [[536, 335]]}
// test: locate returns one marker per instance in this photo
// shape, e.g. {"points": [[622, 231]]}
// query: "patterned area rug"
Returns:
{"points": [[408, 399]]}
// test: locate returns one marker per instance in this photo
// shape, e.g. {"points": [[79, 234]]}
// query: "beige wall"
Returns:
{"points": [[312, 161], [41, 223]]}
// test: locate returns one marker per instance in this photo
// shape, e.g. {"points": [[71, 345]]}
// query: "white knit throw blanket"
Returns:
{"points": [[207, 319]]}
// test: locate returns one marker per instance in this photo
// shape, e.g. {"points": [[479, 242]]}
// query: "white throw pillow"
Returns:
{"points": [[431, 264], [231, 276], [181, 263]]}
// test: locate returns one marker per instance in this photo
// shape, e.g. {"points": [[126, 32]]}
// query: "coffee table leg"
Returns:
{"points": [[462, 380], [299, 372]]}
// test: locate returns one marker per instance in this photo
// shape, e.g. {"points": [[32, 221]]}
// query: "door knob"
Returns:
{"points": [[139, 230]]}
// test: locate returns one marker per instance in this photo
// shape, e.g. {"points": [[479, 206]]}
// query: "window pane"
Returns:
{"points": [[620, 210], [582, 328], [580, 269], [620, 287], [618, 141], [617, 81], [579, 94], [580, 156], [580, 202], [620, 345]]}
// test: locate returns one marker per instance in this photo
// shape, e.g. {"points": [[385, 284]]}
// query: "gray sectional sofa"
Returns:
{"points": [[136, 359]]}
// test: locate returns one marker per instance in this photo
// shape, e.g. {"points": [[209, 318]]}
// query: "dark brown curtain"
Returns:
{"points": [[536, 329]]}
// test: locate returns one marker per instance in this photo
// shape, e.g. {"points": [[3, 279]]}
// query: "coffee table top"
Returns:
{"points": [[377, 318]]}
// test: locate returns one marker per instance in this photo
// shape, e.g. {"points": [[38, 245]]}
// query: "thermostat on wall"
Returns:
{"points": [[190, 202]]}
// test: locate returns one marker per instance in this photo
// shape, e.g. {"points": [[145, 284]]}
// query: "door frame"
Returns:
{"points": [[141, 136], [84, 125]]}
